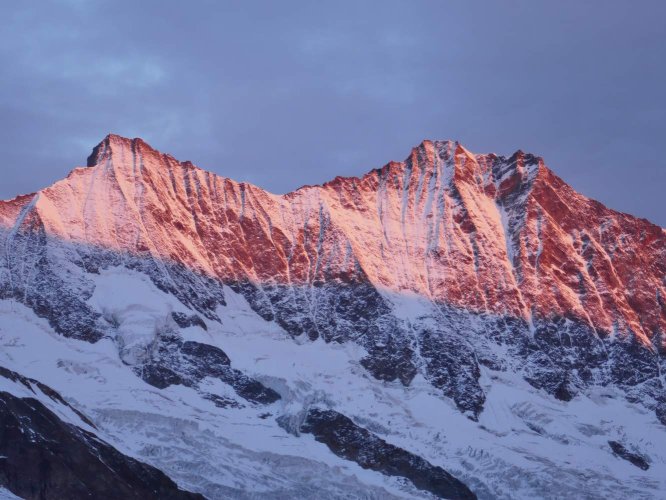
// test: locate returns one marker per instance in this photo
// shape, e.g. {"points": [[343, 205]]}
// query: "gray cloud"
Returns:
{"points": [[289, 93]]}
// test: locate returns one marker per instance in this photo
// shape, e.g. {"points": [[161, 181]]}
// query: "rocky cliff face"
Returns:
{"points": [[440, 267], [46, 457]]}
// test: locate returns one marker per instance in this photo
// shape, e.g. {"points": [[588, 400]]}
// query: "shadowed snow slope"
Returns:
{"points": [[472, 312]]}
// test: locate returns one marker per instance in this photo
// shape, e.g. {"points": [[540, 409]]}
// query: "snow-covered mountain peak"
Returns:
{"points": [[453, 310], [482, 232], [107, 146], [131, 154]]}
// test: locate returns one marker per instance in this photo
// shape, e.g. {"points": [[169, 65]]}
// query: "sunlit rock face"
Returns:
{"points": [[448, 267], [485, 233]]}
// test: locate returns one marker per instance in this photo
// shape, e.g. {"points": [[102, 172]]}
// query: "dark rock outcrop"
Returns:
{"points": [[352, 442], [173, 361], [185, 321], [44, 458], [621, 451]]}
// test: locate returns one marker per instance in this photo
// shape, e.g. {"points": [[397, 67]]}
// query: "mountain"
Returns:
{"points": [[454, 325]]}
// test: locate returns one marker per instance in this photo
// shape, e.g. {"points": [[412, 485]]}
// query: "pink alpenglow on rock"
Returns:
{"points": [[454, 325]]}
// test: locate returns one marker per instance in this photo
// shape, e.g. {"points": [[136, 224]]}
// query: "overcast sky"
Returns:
{"points": [[285, 93]]}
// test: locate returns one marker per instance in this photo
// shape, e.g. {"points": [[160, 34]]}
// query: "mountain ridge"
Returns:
{"points": [[91, 162], [458, 184], [450, 272]]}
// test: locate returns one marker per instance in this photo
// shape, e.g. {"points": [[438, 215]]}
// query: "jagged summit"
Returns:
{"points": [[122, 148], [114, 144]]}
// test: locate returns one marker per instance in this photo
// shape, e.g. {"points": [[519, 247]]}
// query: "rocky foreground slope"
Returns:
{"points": [[451, 325]]}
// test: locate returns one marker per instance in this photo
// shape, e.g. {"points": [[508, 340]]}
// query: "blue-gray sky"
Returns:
{"points": [[283, 93]]}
